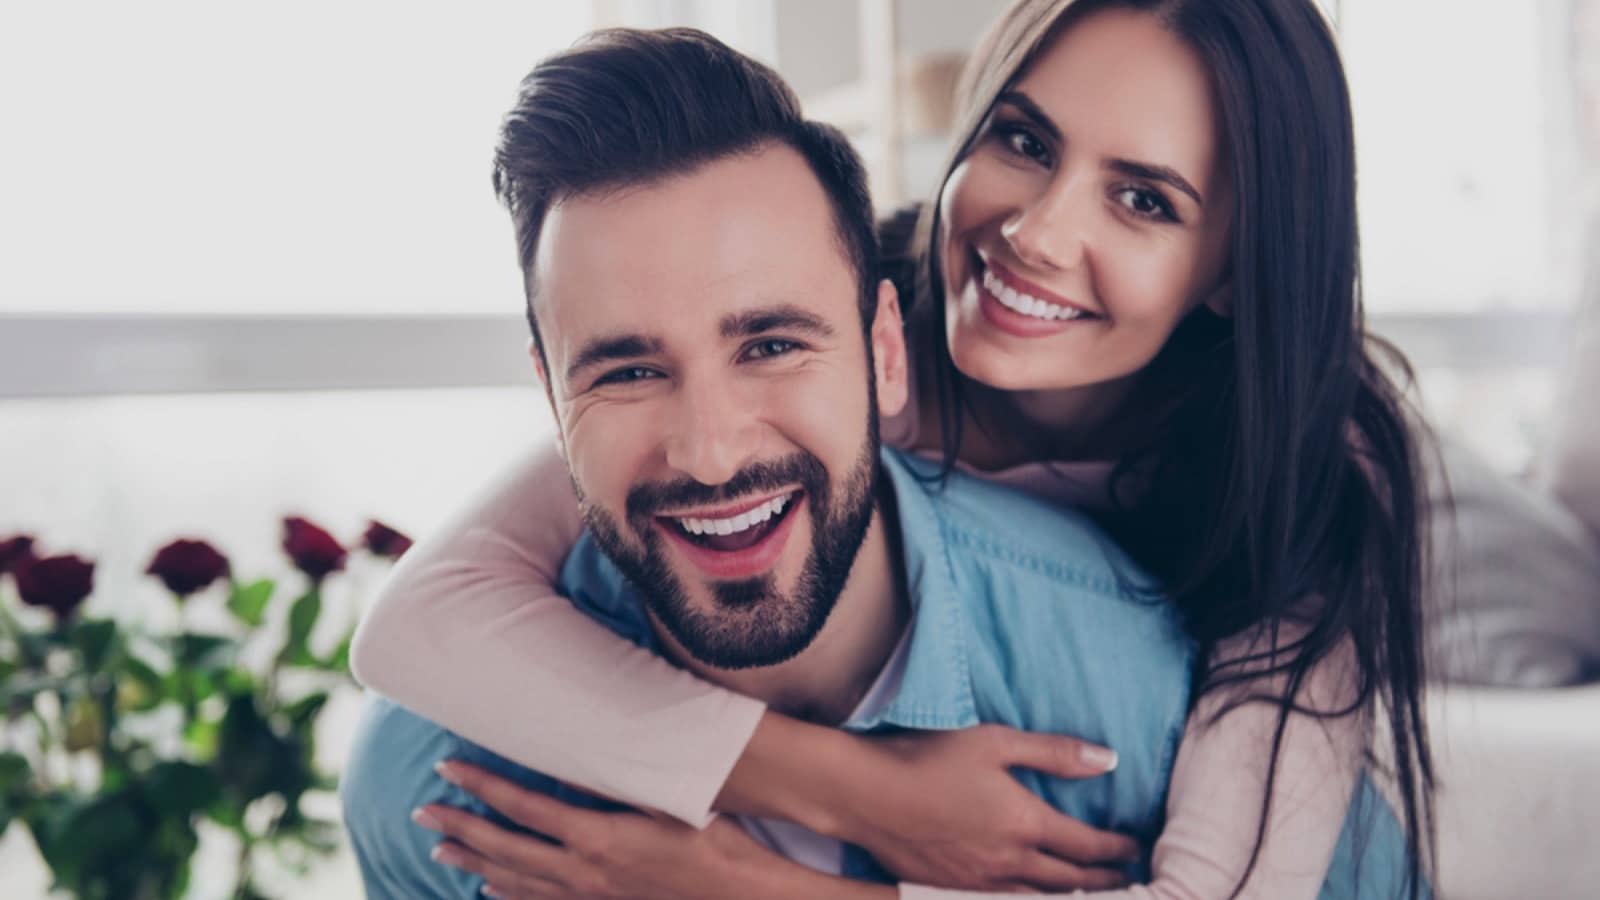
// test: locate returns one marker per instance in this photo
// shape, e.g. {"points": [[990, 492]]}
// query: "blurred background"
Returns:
{"points": [[251, 265]]}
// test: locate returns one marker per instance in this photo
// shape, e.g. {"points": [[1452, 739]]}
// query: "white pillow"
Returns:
{"points": [[1515, 597], [1571, 468]]}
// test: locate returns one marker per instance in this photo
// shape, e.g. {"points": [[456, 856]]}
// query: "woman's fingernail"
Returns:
{"points": [[447, 771], [444, 853], [427, 819], [1102, 758], [491, 892]]}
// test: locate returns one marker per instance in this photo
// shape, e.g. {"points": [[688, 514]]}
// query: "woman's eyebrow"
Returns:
{"points": [[1164, 174], [1027, 107], [1134, 168]]}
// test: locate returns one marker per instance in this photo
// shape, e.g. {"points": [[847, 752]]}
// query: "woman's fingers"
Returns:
{"points": [[519, 853], [1046, 873], [530, 809], [507, 884], [1068, 839], [1053, 754]]}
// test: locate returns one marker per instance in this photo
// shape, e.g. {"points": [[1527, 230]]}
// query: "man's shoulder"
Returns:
{"points": [[1012, 528], [388, 774], [598, 588]]}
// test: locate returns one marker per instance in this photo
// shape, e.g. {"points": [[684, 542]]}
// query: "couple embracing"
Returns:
{"points": [[1063, 534]]}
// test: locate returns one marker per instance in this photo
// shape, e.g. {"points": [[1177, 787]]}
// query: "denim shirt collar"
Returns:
{"points": [[935, 690]]}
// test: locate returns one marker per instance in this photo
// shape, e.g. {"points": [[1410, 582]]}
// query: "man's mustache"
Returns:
{"points": [[645, 500]]}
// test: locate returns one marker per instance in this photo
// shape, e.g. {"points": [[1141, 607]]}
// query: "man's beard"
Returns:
{"points": [[753, 621]]}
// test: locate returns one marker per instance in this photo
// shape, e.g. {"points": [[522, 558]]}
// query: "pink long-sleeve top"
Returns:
{"points": [[470, 632]]}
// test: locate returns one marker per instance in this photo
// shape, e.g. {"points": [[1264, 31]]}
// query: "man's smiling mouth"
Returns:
{"points": [[729, 533]]}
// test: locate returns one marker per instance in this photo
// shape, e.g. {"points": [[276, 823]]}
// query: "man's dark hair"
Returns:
{"points": [[627, 107]]}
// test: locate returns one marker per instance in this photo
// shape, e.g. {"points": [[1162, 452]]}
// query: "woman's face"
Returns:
{"points": [[1092, 213]]}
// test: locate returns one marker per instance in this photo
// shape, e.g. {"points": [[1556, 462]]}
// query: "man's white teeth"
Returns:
{"points": [[1024, 303], [735, 524]]}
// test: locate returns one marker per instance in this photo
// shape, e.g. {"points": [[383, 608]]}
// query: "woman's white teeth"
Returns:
{"points": [[735, 524], [1025, 304]]}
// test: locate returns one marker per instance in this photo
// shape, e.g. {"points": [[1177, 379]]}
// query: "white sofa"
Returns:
{"points": [[1519, 769], [1519, 792]]}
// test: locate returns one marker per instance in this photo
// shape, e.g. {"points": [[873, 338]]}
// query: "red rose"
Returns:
{"points": [[14, 551], [313, 550], [188, 566], [57, 583], [382, 540]]}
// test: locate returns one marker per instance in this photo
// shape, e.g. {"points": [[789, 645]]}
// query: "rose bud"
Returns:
{"points": [[188, 566], [57, 583], [14, 551], [382, 540], [313, 550]]}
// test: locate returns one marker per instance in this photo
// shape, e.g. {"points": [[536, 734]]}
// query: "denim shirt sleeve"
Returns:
{"points": [[390, 769], [390, 773]]}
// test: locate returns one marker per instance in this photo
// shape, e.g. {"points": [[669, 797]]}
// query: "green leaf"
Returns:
{"points": [[249, 601], [92, 834], [14, 773], [339, 660], [94, 639], [249, 752], [303, 712], [86, 727], [34, 648], [205, 651], [302, 619], [140, 687], [238, 683], [201, 736], [180, 788], [15, 778]]}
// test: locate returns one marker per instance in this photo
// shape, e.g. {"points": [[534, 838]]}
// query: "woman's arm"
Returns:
{"points": [[470, 632], [1213, 808], [1214, 803]]}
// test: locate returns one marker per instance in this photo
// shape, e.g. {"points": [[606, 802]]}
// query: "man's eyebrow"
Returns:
{"points": [[783, 317], [1148, 171], [606, 349]]}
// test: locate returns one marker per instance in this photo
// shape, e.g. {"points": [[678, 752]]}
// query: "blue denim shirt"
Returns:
{"points": [[1024, 614]]}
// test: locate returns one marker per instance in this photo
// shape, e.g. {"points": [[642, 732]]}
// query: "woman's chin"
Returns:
{"points": [[994, 368]]}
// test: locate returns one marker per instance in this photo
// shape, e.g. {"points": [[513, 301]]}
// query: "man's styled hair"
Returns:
{"points": [[628, 107]]}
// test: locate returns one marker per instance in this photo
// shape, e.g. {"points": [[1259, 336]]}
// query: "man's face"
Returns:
{"points": [[715, 398]]}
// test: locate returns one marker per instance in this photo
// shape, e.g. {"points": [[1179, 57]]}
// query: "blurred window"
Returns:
{"points": [[183, 156]]}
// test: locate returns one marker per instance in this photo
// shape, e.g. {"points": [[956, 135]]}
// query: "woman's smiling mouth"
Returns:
{"points": [[1016, 307]]}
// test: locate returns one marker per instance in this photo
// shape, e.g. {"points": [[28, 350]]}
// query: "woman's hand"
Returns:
{"points": [[612, 856], [938, 808], [949, 812]]}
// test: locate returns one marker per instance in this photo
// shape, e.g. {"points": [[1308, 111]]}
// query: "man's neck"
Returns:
{"points": [[825, 682]]}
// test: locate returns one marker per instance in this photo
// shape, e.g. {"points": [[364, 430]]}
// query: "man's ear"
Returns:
{"points": [[889, 351], [549, 394], [1220, 300]]}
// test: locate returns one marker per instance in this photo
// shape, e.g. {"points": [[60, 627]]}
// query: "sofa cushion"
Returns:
{"points": [[1515, 598]]}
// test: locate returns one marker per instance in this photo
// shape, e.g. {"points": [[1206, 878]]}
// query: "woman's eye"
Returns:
{"points": [[628, 375], [769, 348], [1022, 142], [1146, 203]]}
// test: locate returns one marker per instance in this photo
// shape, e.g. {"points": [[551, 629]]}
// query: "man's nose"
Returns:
{"points": [[715, 432]]}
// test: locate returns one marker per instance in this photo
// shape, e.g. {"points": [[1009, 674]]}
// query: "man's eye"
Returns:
{"points": [[627, 376], [770, 348]]}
